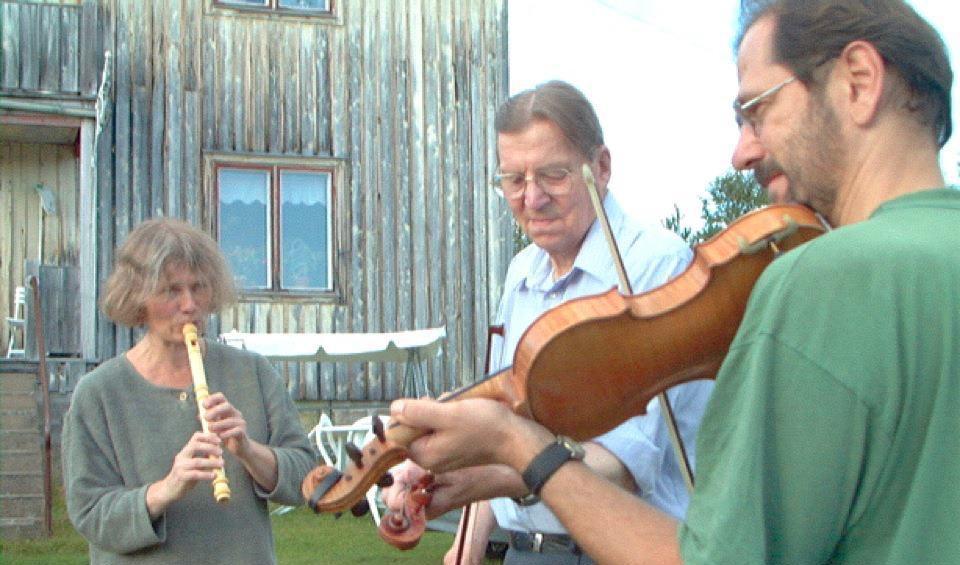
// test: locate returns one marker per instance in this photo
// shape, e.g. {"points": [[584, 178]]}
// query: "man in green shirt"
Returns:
{"points": [[832, 434]]}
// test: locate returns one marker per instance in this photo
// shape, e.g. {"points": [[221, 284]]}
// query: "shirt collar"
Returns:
{"points": [[947, 197]]}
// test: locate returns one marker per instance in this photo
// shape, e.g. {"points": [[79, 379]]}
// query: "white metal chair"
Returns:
{"points": [[16, 323]]}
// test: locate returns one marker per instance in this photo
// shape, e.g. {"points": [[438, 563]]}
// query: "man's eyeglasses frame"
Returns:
{"points": [[741, 111]]}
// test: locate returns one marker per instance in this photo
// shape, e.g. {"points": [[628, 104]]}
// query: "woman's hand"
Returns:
{"points": [[196, 462], [227, 422]]}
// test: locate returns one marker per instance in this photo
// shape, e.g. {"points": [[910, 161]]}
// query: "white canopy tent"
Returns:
{"points": [[410, 347]]}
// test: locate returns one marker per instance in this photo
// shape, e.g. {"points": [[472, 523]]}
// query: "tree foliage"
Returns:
{"points": [[729, 196], [520, 238]]}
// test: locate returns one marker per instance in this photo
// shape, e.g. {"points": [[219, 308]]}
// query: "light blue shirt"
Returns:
{"points": [[651, 257]]}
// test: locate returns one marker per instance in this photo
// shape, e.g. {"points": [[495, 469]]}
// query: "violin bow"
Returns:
{"points": [[626, 289], [463, 533], [470, 511]]}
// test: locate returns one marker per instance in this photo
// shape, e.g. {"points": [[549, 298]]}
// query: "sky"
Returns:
{"points": [[661, 75]]}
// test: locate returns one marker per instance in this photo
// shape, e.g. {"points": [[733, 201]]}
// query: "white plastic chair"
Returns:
{"points": [[16, 323]]}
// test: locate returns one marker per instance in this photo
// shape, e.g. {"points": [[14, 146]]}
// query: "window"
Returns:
{"points": [[305, 7], [276, 224]]}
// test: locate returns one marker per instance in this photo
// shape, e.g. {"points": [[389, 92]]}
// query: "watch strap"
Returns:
{"points": [[546, 463]]}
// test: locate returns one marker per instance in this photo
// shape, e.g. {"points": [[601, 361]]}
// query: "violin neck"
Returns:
{"points": [[497, 386]]}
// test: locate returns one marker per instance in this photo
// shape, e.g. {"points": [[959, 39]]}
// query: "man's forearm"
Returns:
{"points": [[610, 523]]}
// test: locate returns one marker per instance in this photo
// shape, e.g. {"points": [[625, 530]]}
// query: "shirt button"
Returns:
{"points": [[183, 397]]}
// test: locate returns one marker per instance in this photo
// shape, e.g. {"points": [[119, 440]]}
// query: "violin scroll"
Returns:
{"points": [[404, 528], [326, 489]]}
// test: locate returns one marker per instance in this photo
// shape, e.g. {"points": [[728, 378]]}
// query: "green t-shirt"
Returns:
{"points": [[833, 434]]}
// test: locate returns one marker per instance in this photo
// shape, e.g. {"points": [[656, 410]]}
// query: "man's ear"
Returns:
{"points": [[862, 73], [603, 166]]}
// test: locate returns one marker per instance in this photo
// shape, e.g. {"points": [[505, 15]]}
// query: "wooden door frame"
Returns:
{"points": [[87, 267]]}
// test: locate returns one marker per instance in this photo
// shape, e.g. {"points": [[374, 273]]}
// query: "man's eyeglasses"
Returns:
{"points": [[554, 181], [747, 112]]}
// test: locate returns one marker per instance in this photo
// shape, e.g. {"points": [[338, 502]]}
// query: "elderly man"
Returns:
{"points": [[545, 136], [831, 435]]}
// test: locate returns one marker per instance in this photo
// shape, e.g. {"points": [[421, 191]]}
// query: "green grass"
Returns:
{"points": [[301, 538]]}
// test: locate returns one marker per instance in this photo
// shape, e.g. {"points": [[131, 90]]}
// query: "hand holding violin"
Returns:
{"points": [[493, 435], [452, 489]]}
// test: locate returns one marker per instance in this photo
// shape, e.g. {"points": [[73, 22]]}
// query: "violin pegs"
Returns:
{"points": [[385, 481], [420, 496], [360, 508], [337, 515], [378, 429], [355, 454]]}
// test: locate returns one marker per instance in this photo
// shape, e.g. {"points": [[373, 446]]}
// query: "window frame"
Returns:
{"points": [[337, 227], [273, 9]]}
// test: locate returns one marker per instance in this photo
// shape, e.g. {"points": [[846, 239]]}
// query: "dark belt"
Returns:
{"points": [[543, 543]]}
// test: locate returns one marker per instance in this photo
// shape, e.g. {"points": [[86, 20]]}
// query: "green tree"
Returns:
{"points": [[520, 238], [729, 196]]}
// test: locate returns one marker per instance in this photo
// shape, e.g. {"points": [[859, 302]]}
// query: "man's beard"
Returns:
{"points": [[817, 157], [813, 159]]}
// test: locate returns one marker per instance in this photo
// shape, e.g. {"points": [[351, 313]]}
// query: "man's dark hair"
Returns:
{"points": [[810, 33], [558, 102]]}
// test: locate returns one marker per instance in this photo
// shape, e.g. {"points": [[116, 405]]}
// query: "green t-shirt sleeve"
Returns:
{"points": [[771, 487]]}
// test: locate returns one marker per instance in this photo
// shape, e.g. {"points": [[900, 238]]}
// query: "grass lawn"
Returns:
{"points": [[301, 538]]}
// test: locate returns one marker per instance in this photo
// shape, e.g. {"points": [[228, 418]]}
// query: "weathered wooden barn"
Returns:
{"points": [[363, 131], [341, 151]]}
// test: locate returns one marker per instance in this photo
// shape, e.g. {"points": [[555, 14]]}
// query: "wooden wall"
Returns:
{"points": [[51, 49], [402, 93], [22, 167]]}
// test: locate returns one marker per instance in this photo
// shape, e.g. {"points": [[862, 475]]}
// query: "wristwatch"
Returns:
{"points": [[546, 463]]}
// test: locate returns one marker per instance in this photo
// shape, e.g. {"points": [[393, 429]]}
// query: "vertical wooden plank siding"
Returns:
{"points": [[30, 38], [333, 129], [370, 188], [69, 50], [402, 94], [401, 175], [93, 30], [41, 47], [156, 17], [433, 203], [10, 75], [91, 26], [387, 177], [50, 50], [414, 140], [174, 122]]}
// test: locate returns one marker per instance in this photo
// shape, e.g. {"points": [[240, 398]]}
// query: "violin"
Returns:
{"points": [[628, 349]]}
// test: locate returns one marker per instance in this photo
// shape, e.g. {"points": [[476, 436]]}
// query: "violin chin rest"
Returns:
{"points": [[318, 483]]}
